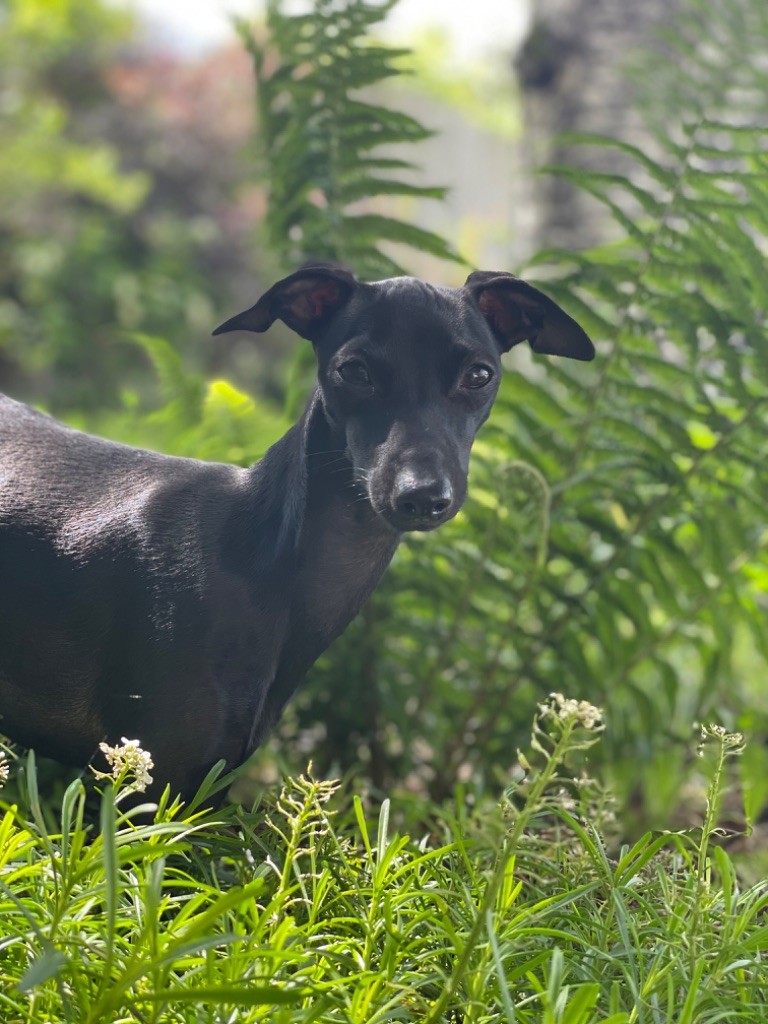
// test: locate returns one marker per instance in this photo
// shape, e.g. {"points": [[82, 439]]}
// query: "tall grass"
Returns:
{"points": [[308, 910]]}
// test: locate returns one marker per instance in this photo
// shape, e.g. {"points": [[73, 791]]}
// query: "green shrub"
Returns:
{"points": [[304, 911], [616, 528]]}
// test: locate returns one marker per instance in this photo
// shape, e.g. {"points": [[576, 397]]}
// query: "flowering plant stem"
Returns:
{"points": [[555, 725], [727, 745]]}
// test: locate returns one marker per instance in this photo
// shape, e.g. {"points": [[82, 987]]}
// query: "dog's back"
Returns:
{"points": [[106, 556]]}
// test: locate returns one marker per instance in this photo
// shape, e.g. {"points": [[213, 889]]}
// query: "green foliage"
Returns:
{"points": [[37, 152], [198, 418], [308, 910], [322, 138], [616, 531], [616, 535], [109, 206], [616, 528], [44, 167]]}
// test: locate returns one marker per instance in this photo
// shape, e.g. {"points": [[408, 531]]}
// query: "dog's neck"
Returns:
{"points": [[318, 540], [340, 536], [304, 475]]}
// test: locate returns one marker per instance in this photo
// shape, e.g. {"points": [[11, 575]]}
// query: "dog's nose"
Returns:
{"points": [[427, 502]]}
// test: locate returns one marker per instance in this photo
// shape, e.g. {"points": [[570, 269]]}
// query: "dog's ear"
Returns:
{"points": [[305, 301], [516, 311]]}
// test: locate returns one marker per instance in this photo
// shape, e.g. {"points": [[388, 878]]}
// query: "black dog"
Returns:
{"points": [[181, 602]]}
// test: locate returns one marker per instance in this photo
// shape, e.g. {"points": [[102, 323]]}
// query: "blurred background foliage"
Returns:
{"points": [[614, 544], [125, 204]]}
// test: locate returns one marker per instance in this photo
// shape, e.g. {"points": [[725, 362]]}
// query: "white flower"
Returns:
{"points": [[127, 761], [587, 715], [4, 772], [732, 742]]}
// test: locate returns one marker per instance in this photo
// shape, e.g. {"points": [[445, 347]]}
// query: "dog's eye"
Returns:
{"points": [[354, 372], [477, 376]]}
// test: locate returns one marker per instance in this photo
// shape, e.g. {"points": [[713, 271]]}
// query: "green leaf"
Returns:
{"points": [[48, 965], [256, 995]]}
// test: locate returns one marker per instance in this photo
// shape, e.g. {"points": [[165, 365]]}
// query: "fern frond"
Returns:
{"points": [[321, 137], [656, 523]]}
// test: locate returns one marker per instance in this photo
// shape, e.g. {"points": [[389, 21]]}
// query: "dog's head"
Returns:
{"points": [[408, 372]]}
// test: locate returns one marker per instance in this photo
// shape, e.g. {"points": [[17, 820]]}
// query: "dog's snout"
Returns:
{"points": [[420, 504]]}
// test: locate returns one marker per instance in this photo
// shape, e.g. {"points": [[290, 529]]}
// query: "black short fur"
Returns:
{"points": [[181, 602]]}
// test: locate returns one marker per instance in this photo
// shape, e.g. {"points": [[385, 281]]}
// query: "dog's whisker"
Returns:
{"points": [[329, 451]]}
